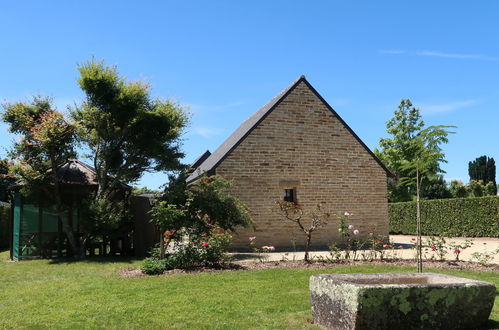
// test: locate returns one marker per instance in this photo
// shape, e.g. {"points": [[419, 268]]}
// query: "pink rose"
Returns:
{"points": [[205, 244]]}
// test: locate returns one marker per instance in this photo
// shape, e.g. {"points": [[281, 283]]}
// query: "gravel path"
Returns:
{"points": [[481, 244]]}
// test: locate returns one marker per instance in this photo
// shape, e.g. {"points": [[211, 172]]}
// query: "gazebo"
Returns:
{"points": [[36, 231]]}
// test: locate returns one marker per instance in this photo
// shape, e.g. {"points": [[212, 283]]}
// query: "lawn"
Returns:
{"points": [[90, 294]]}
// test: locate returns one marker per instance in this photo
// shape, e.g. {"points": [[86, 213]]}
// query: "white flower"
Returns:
{"points": [[356, 232], [350, 227]]}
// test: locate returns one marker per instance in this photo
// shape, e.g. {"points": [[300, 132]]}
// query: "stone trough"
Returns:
{"points": [[399, 301]]}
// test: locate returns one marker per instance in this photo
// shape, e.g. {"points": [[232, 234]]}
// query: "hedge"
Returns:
{"points": [[4, 226], [466, 217]]}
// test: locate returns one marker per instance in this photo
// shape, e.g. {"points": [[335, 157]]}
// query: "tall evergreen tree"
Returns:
{"points": [[483, 169]]}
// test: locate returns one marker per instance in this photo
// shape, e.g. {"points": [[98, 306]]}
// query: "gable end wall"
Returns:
{"points": [[301, 145]]}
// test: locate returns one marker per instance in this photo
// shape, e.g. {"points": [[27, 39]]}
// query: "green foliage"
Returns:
{"points": [[210, 201], [47, 141], [6, 179], [469, 217], [435, 188], [483, 169], [457, 189], [99, 217], [126, 130], [153, 266], [410, 143], [208, 204], [205, 208], [490, 189], [144, 190], [476, 188], [4, 225], [208, 251], [168, 217]]}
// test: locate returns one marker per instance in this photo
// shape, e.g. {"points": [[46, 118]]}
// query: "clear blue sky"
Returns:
{"points": [[225, 59]]}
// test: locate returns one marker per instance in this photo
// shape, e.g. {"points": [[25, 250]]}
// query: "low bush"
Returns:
{"points": [[202, 251], [153, 266], [466, 217]]}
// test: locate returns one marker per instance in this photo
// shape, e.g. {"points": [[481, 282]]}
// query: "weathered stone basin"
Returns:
{"points": [[400, 301]]}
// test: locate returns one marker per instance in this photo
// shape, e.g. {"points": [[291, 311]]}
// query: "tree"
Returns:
{"points": [[170, 219], [6, 179], [200, 208], [405, 126], [47, 142], [293, 212], [427, 154], [127, 132], [483, 169], [435, 189], [457, 189]]}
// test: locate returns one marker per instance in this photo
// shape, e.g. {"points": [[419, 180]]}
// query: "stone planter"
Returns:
{"points": [[399, 301]]}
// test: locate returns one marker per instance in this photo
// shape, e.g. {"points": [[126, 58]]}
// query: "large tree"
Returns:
{"points": [[483, 169], [405, 126], [127, 131], [46, 142]]}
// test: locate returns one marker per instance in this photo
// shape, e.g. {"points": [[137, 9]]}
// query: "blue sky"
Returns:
{"points": [[225, 59]]}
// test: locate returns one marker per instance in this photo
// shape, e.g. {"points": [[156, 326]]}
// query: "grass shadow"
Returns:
{"points": [[95, 259], [491, 324]]}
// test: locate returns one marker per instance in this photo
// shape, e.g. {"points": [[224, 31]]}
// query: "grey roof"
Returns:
{"points": [[200, 159], [210, 164], [76, 172], [239, 134]]}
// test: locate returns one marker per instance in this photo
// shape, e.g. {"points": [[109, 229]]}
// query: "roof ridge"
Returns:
{"points": [[247, 126]]}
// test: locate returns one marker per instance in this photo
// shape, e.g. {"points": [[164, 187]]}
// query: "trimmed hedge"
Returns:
{"points": [[4, 226], [466, 217]]}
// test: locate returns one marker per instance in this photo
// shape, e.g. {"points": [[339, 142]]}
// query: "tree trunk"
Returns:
{"points": [[307, 246], [75, 247], [162, 244], [418, 225]]}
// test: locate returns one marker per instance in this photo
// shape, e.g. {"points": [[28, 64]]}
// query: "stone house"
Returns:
{"points": [[297, 148]]}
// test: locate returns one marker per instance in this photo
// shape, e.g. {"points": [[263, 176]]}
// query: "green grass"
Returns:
{"points": [[90, 294]]}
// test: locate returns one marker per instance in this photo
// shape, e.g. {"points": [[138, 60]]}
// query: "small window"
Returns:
{"points": [[290, 195]]}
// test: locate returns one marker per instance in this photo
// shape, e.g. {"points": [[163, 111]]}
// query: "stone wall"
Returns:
{"points": [[301, 145]]}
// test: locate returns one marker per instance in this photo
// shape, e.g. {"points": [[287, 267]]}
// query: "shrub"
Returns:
{"points": [[468, 217], [203, 251], [153, 266]]}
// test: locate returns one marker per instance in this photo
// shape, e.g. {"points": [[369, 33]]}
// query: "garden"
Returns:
{"points": [[189, 279], [91, 294]]}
